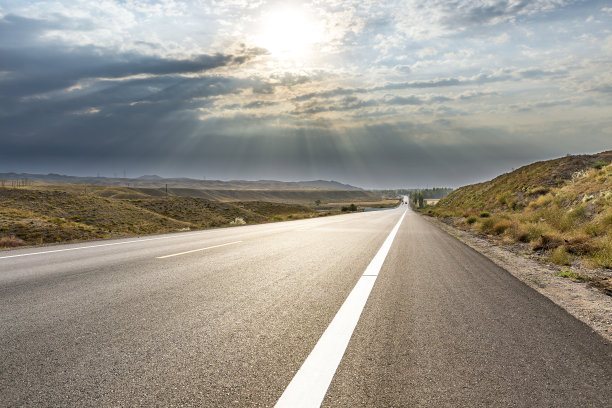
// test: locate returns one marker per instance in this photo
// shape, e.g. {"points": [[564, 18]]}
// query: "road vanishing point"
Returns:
{"points": [[375, 309]]}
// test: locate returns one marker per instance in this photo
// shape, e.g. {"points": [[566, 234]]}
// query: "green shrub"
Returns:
{"points": [[599, 165], [603, 257], [561, 257], [487, 226], [503, 198], [471, 220], [518, 233], [484, 214]]}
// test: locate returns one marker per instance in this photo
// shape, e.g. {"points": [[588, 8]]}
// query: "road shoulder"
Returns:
{"points": [[581, 300]]}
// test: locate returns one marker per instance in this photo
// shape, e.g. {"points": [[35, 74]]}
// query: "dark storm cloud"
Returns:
{"points": [[36, 71], [32, 67]]}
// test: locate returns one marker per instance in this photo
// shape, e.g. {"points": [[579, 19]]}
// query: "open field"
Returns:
{"points": [[370, 204], [43, 213], [558, 210], [305, 195]]}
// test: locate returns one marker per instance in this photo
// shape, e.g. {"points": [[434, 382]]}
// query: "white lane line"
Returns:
{"points": [[309, 385], [90, 246], [196, 250]]}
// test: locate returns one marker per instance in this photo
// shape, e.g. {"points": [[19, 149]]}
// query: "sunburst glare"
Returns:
{"points": [[289, 34]]}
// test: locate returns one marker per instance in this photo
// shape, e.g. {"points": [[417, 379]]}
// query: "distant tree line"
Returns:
{"points": [[436, 192]]}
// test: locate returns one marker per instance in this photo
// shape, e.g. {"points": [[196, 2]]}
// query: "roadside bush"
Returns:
{"points": [[561, 257], [487, 226], [471, 220], [351, 207], [484, 214], [534, 232], [501, 226], [518, 233], [603, 257], [11, 242], [580, 245], [547, 241]]}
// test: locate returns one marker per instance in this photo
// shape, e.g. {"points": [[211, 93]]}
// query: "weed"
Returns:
{"points": [[484, 214], [471, 220], [573, 275]]}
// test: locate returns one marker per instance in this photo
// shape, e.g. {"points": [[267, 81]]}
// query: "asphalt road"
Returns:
{"points": [[227, 317]]}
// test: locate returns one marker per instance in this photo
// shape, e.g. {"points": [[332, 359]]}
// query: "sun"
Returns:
{"points": [[289, 33]]}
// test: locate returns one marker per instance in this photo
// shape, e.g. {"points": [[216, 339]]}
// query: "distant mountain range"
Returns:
{"points": [[156, 181]]}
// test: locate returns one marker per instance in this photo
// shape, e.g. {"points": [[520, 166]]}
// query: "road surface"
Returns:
{"points": [[229, 317]]}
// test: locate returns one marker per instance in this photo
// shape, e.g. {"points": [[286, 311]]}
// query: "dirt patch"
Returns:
{"points": [[588, 300]]}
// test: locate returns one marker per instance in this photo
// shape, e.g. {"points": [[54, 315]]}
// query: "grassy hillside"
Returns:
{"points": [[35, 215], [561, 209]]}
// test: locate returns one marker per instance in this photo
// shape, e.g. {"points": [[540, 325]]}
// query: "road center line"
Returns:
{"points": [[196, 250], [309, 385]]}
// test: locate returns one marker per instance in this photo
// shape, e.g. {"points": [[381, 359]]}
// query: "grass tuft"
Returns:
{"points": [[11, 242], [561, 257]]}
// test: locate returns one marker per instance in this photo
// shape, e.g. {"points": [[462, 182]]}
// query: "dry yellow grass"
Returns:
{"points": [[49, 215], [562, 207]]}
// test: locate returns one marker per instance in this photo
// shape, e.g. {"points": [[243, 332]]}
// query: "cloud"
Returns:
{"points": [[470, 13], [17, 31]]}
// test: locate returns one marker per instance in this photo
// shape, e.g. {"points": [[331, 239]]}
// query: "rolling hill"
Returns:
{"points": [[560, 209]]}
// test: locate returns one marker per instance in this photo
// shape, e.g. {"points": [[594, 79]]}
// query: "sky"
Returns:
{"points": [[378, 94]]}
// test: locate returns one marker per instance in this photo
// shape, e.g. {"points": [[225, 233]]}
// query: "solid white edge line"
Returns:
{"points": [[196, 250], [309, 385], [86, 247]]}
